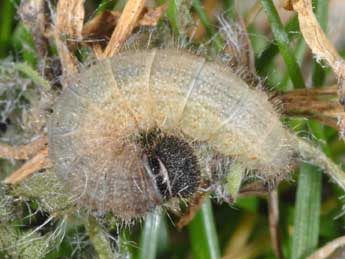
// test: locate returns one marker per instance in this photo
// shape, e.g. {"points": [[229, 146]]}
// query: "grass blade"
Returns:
{"points": [[7, 11], [149, 236], [203, 236], [199, 9], [307, 210], [283, 41], [307, 213]]}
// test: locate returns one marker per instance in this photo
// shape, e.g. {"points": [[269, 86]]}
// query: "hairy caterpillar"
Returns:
{"points": [[145, 127]]}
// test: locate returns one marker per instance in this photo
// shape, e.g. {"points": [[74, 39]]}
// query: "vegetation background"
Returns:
{"points": [[310, 207]]}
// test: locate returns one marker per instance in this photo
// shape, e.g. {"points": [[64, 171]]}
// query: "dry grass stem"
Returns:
{"points": [[23, 152], [252, 13], [68, 28], [98, 31], [325, 251], [31, 13], [38, 162], [69, 20], [273, 216], [315, 103], [125, 26]]}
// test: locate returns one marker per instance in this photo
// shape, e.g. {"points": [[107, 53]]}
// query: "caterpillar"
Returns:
{"points": [[143, 128]]}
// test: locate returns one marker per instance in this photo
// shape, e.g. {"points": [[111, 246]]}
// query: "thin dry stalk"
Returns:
{"points": [[325, 251], [316, 103], [273, 216], [38, 162], [126, 24], [23, 152], [252, 13]]}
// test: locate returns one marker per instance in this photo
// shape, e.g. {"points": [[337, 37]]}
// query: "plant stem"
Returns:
{"points": [[203, 236], [149, 236]]}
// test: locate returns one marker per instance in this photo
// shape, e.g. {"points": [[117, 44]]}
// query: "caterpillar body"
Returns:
{"points": [[143, 127]]}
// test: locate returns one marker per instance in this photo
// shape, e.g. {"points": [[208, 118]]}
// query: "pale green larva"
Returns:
{"points": [[143, 127]]}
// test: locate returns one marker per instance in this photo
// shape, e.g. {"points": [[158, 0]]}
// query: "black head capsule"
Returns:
{"points": [[173, 164]]}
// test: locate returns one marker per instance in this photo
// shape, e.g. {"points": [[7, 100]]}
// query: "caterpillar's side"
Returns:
{"points": [[145, 127]]}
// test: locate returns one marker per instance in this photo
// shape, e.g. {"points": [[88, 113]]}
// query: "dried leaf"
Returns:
{"points": [[152, 16], [321, 47], [23, 152], [38, 162]]}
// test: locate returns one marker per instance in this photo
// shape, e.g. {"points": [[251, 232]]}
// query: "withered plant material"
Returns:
{"points": [[32, 13], [315, 103], [152, 16], [23, 152], [198, 31], [256, 188], [38, 162], [273, 207], [68, 28], [327, 250], [246, 53], [321, 47], [99, 30], [69, 20], [193, 208], [126, 24], [240, 237]]}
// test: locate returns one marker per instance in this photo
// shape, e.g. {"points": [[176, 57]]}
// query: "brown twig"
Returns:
{"points": [[68, 27], [273, 217], [126, 24], [23, 152], [38, 162]]}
